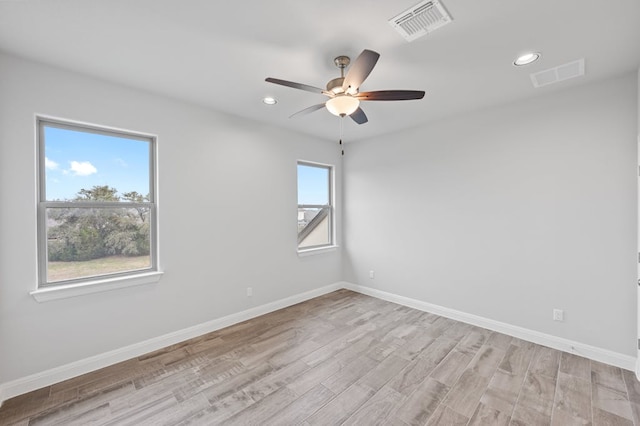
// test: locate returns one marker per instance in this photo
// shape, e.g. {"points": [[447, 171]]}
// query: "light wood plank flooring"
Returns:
{"points": [[343, 358]]}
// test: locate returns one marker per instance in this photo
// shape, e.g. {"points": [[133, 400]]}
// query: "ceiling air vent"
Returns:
{"points": [[421, 19], [558, 74]]}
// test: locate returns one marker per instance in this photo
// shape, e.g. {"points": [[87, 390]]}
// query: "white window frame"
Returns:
{"points": [[331, 245], [74, 287]]}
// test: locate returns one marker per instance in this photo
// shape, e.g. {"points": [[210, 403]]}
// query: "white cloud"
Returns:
{"points": [[121, 162], [82, 168], [50, 164]]}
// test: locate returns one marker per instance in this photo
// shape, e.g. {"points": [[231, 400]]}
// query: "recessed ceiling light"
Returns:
{"points": [[526, 59], [269, 101]]}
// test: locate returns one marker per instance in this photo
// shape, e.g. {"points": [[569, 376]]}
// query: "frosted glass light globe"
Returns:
{"points": [[342, 105]]}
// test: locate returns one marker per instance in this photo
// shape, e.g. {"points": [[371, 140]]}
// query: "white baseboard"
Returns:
{"points": [[83, 366], [597, 354]]}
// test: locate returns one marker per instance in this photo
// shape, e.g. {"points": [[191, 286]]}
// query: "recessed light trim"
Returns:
{"points": [[526, 59], [269, 101]]}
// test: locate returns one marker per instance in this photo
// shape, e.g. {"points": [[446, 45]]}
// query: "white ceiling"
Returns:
{"points": [[217, 54]]}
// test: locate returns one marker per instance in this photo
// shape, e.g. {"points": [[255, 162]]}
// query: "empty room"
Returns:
{"points": [[319, 213]]}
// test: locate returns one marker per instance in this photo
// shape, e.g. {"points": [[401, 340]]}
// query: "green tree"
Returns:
{"points": [[136, 197], [85, 233], [98, 193]]}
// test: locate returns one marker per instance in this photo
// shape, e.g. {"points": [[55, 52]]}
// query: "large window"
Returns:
{"points": [[96, 210], [315, 207]]}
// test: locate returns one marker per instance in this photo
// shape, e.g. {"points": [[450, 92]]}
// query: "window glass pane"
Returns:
{"points": [[314, 227], [314, 206], [313, 184], [91, 241], [78, 160]]}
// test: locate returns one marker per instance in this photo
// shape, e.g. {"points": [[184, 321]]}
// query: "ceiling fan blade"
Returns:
{"points": [[308, 110], [360, 70], [295, 85], [359, 116], [390, 95]]}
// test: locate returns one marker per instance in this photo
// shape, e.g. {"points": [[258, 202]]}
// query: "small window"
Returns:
{"points": [[96, 210], [315, 206]]}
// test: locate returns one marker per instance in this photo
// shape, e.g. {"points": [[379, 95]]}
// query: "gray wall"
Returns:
{"points": [[228, 206], [507, 213]]}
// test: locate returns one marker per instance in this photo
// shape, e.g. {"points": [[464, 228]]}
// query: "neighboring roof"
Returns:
{"points": [[313, 224]]}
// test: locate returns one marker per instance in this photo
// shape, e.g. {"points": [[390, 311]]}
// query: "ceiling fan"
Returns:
{"points": [[343, 92]]}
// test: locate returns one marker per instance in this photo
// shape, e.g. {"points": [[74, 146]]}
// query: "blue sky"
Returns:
{"points": [[79, 160], [313, 187]]}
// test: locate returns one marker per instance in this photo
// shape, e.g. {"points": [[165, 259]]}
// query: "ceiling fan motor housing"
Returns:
{"points": [[335, 85]]}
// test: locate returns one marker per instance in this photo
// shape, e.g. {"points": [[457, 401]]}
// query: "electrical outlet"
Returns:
{"points": [[372, 274], [558, 315], [249, 291]]}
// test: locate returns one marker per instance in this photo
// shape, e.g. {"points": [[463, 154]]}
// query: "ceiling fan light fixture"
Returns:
{"points": [[344, 92], [342, 105]]}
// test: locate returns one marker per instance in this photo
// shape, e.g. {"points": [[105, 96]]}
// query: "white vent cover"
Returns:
{"points": [[558, 74], [421, 19]]}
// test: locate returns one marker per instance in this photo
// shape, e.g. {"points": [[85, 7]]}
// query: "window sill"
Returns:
{"points": [[317, 250], [72, 290]]}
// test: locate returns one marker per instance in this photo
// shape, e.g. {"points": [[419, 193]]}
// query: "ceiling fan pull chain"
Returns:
{"points": [[341, 133]]}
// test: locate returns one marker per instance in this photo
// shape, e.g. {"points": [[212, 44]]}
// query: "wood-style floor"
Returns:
{"points": [[343, 358]]}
